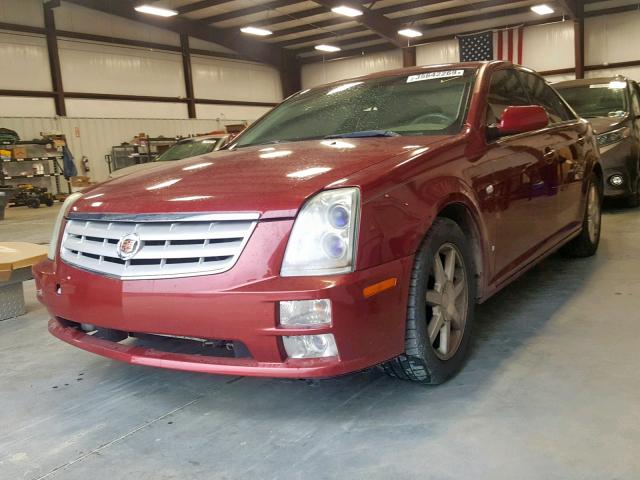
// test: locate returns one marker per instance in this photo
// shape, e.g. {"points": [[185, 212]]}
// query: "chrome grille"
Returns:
{"points": [[169, 247]]}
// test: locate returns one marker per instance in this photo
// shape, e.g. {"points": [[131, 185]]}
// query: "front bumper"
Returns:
{"points": [[619, 159], [240, 305]]}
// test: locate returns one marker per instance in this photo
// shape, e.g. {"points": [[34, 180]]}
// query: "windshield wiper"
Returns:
{"points": [[364, 134]]}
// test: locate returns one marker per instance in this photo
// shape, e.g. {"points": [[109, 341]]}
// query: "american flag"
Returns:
{"points": [[499, 45]]}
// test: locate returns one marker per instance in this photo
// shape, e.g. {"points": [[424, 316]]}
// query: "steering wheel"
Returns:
{"points": [[432, 118]]}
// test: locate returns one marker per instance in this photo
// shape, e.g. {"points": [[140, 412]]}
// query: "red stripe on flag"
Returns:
{"points": [[520, 44], [500, 48], [510, 44]]}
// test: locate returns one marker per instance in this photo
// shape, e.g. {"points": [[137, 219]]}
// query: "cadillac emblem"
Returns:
{"points": [[128, 246]]}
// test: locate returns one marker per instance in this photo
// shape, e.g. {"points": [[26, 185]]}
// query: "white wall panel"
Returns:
{"points": [[26, 106], [22, 12], [549, 47], [75, 18], [631, 72], [314, 74], [612, 38], [231, 113], [215, 78], [438, 52], [120, 70], [97, 136], [124, 109], [25, 62]]}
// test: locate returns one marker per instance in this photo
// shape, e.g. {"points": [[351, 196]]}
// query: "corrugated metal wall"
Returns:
{"points": [[546, 47], [97, 136]]}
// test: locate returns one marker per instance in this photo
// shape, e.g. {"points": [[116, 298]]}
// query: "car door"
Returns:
{"points": [[564, 150], [525, 181]]}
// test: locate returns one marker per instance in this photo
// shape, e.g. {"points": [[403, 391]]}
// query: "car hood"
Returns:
{"points": [[134, 168], [606, 124], [272, 180]]}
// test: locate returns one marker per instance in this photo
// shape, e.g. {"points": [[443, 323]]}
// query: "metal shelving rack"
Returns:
{"points": [[129, 154], [36, 152]]}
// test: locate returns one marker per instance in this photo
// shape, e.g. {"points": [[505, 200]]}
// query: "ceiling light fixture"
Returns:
{"points": [[262, 32], [347, 11], [328, 48], [542, 9], [161, 12], [410, 32]]}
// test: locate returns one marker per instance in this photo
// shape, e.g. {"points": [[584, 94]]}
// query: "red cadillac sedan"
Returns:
{"points": [[356, 224]]}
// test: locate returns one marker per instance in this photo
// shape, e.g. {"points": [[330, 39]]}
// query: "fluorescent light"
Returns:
{"points": [[262, 32], [161, 12], [347, 11], [542, 9], [328, 48], [410, 32]]}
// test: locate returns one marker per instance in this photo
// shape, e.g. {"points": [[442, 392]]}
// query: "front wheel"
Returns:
{"points": [[440, 308], [586, 244]]}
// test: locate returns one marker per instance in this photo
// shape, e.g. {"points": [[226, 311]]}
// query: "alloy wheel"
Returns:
{"points": [[593, 214], [447, 301]]}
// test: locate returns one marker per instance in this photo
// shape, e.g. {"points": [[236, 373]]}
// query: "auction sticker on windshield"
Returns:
{"points": [[434, 75]]}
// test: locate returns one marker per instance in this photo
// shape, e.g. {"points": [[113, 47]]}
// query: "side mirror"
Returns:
{"points": [[521, 119]]}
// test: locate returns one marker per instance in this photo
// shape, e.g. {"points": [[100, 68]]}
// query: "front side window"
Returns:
{"points": [[429, 103], [505, 90], [598, 100], [543, 95]]}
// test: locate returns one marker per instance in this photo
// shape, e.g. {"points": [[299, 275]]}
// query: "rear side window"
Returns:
{"points": [[543, 95], [505, 90]]}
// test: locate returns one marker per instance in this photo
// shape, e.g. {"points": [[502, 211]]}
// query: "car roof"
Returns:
{"points": [[589, 81]]}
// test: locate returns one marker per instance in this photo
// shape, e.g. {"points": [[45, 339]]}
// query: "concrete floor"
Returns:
{"points": [[551, 391]]}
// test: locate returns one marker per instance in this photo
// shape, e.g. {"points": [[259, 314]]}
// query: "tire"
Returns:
{"points": [[33, 203], [586, 244], [633, 200], [49, 202], [424, 361]]}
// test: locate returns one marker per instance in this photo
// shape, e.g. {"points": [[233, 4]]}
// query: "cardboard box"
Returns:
{"points": [[80, 181], [19, 152]]}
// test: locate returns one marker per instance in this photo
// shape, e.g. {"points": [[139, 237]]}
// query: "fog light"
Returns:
{"points": [[305, 313], [616, 180], [310, 346]]}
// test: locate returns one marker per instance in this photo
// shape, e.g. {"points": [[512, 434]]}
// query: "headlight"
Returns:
{"points": [[323, 237], [53, 245], [613, 136]]}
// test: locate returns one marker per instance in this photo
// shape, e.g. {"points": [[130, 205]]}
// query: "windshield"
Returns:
{"points": [[430, 103], [188, 149], [597, 100]]}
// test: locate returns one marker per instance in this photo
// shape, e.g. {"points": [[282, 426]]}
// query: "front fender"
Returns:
{"points": [[394, 223]]}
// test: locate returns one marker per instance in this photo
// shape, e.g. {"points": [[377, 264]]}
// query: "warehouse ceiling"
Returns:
{"points": [[298, 26]]}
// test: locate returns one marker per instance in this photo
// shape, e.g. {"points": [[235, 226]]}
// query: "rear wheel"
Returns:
{"points": [[33, 203], [586, 244], [440, 308]]}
